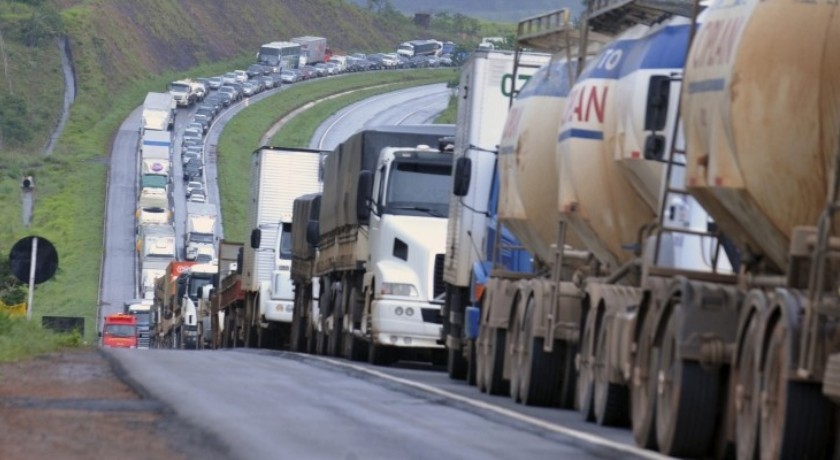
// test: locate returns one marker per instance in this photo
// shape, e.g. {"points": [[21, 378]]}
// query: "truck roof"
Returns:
{"points": [[203, 209], [159, 101], [201, 223], [152, 137]]}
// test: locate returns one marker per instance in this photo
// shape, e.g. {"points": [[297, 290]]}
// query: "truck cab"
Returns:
{"points": [[191, 286], [141, 310], [277, 296], [408, 213], [119, 331]]}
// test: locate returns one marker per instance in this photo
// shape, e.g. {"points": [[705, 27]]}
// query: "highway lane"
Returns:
{"points": [[266, 405], [416, 105]]}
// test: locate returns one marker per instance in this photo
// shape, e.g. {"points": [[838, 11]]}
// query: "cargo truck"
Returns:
{"points": [[166, 303], [155, 159], [141, 310], [382, 232], [227, 297], [484, 92], [191, 309], [305, 284], [201, 232], [312, 49], [262, 312], [119, 331], [155, 249], [158, 112]]}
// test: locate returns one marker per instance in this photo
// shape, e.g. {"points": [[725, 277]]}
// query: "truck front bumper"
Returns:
{"points": [[405, 323]]}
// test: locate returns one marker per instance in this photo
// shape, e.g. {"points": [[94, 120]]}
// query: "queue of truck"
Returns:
{"points": [[646, 237]]}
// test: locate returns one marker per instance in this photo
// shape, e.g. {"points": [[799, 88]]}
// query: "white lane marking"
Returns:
{"points": [[580, 435], [411, 114]]}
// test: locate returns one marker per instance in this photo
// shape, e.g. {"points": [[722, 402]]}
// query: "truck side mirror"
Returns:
{"points": [[463, 175], [363, 195], [256, 237], [656, 113], [182, 289], [313, 233]]}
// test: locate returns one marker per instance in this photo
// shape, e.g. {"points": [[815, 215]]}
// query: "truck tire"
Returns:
{"points": [[586, 381], [538, 371], [382, 355], [456, 364], [611, 401], [643, 387], [687, 400], [471, 363], [494, 381], [336, 336], [746, 393], [795, 416]]}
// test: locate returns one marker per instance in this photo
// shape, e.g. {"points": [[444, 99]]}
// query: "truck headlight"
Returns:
{"points": [[401, 289]]}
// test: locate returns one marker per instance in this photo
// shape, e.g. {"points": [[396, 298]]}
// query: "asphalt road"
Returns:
{"points": [[267, 405]]}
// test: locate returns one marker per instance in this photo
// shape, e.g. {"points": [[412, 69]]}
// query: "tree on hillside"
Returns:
{"points": [[44, 24], [14, 129]]}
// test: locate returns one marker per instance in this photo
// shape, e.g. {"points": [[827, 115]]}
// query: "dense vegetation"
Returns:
{"points": [[493, 10], [122, 49], [20, 339]]}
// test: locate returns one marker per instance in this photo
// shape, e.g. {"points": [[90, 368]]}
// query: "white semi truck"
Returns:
{"points": [[201, 232], [382, 232], [158, 112], [278, 175], [484, 94], [155, 249]]}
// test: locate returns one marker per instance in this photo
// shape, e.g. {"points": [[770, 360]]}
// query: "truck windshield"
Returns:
{"points": [[419, 188], [142, 318], [286, 242], [120, 330], [201, 238], [179, 88], [195, 286]]}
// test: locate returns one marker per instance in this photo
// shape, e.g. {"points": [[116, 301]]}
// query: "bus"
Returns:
{"points": [[283, 55], [420, 48]]}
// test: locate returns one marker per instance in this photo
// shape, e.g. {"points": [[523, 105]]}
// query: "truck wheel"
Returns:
{"points": [[746, 392], [611, 400], [643, 387], [471, 363], [687, 400], [586, 379], [481, 353], [321, 338], [795, 416], [335, 336], [539, 372], [495, 363], [382, 355], [456, 365]]}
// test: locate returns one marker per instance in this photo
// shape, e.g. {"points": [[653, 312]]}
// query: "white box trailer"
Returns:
{"points": [[278, 175], [486, 82], [312, 49], [158, 112]]}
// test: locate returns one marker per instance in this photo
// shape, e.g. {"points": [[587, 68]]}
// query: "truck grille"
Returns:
{"points": [[439, 287]]}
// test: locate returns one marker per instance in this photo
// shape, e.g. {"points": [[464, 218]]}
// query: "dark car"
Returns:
{"points": [[307, 72], [212, 103], [193, 170], [231, 91], [254, 70], [204, 109], [204, 120], [376, 61], [225, 98]]}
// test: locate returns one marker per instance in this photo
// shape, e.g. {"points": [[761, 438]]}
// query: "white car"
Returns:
{"points": [[241, 76], [197, 196]]}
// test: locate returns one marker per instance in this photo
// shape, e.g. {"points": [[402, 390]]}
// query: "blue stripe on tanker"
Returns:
{"points": [[159, 143], [581, 134], [663, 49]]}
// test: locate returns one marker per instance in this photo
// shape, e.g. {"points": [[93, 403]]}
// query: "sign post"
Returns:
{"points": [[32, 264]]}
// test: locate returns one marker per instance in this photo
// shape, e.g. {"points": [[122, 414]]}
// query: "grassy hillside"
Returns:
{"points": [[491, 10], [121, 50]]}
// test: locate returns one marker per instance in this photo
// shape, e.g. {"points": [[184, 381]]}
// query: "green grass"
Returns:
{"points": [[21, 339], [450, 114], [242, 134]]}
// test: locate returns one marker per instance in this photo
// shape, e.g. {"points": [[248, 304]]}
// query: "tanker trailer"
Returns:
{"points": [[616, 139], [761, 103], [525, 197]]}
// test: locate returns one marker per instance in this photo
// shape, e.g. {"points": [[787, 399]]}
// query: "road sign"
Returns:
{"points": [[46, 260]]}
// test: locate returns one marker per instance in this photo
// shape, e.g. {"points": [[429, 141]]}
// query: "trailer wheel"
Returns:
{"points": [[495, 383], [456, 363], [746, 391], [297, 335], [471, 362], [611, 400], [321, 337], [586, 379], [795, 416], [481, 354], [354, 348], [687, 400], [335, 337], [643, 387], [539, 371]]}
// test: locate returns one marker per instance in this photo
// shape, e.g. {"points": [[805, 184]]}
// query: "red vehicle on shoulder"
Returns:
{"points": [[120, 331]]}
